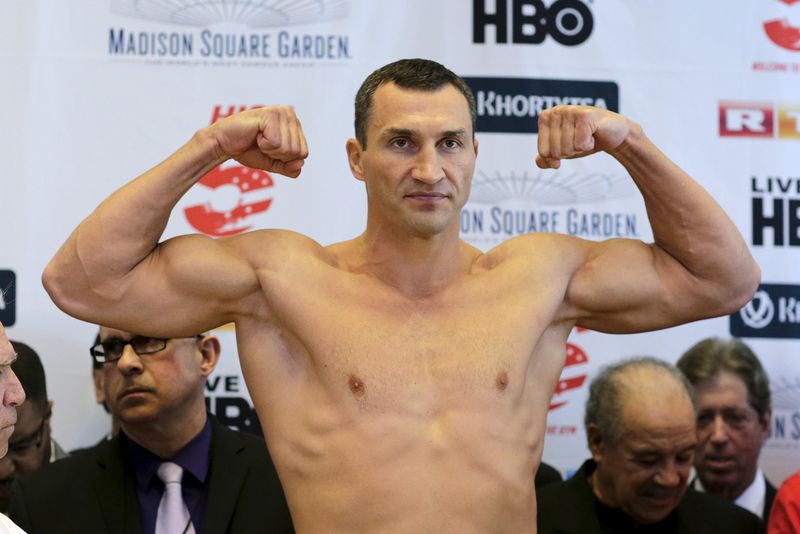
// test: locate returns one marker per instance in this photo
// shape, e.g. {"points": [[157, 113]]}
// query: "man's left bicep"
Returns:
{"points": [[627, 286]]}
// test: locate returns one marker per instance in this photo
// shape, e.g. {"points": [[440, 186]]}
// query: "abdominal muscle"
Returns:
{"points": [[396, 444]]}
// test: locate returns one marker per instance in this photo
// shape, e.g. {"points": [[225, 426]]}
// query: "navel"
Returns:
{"points": [[356, 386], [501, 382]]}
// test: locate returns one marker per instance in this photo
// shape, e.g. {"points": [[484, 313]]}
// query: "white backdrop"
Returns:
{"points": [[96, 91]]}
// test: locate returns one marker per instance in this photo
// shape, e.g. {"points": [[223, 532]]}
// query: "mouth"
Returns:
{"points": [[135, 390], [719, 464]]}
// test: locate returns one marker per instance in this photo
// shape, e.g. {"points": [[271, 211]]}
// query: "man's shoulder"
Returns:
{"points": [[246, 445], [535, 248], [76, 462], [720, 515]]}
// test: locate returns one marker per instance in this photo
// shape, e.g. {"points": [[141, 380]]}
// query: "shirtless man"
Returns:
{"points": [[388, 401]]}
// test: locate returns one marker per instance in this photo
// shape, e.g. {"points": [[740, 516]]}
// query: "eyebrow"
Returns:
{"points": [[460, 132]]}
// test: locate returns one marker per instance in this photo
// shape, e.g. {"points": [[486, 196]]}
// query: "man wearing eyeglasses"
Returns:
{"points": [[155, 387], [32, 445], [733, 422], [11, 396]]}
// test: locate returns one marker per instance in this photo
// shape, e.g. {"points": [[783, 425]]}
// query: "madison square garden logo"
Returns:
{"points": [[518, 198], [774, 312], [211, 32]]}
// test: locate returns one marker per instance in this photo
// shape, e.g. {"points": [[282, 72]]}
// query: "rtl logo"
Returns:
{"points": [[240, 189], [758, 119], [568, 22]]}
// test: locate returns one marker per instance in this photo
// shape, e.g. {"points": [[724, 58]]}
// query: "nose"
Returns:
{"points": [[427, 168], [669, 476], [14, 395], [719, 432], [130, 362]]}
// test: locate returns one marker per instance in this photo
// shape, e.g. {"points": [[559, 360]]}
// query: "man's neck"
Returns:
{"points": [[417, 267], [165, 438]]}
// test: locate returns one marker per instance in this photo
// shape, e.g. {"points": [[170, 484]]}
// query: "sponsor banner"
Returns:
{"points": [[776, 211], [226, 32], [8, 297], [778, 24], [530, 22], [231, 198], [774, 312], [759, 119], [227, 399], [513, 105]]}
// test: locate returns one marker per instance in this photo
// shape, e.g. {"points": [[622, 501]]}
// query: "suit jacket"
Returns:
{"points": [[546, 474], [569, 507], [769, 498], [93, 490]]}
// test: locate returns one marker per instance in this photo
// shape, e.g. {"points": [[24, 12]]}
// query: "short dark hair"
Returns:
{"points": [[606, 394], [422, 74], [28, 368], [712, 356]]}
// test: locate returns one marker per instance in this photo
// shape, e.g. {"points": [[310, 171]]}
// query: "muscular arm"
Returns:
{"points": [[112, 269], [698, 265]]}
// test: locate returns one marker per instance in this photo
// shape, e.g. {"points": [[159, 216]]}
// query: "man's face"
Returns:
{"points": [[28, 448], [646, 470], [420, 158], [158, 388], [730, 435], [10, 391]]}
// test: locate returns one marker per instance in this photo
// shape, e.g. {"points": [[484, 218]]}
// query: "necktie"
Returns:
{"points": [[172, 516]]}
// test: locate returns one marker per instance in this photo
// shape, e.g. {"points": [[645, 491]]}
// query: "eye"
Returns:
{"points": [[451, 144], [400, 142]]}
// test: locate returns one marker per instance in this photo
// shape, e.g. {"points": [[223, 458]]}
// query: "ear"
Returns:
{"points": [[209, 348], [354, 151], [595, 442], [764, 423], [99, 392], [475, 144]]}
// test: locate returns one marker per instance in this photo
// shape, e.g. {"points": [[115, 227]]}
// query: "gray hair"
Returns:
{"points": [[712, 356], [606, 394]]}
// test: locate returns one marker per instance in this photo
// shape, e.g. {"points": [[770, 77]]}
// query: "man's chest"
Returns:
{"points": [[476, 338]]}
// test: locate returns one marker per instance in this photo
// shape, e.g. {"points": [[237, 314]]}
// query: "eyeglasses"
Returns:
{"points": [[111, 350]]}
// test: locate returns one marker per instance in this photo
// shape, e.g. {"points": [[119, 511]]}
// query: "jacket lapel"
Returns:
{"points": [[227, 474], [114, 489]]}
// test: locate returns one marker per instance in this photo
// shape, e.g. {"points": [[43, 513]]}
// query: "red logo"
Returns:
{"points": [[575, 356], [205, 218], [746, 119], [782, 33]]}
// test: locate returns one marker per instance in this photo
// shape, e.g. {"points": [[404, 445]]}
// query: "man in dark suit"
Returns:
{"points": [[32, 445], [640, 426], [156, 388], [735, 410]]}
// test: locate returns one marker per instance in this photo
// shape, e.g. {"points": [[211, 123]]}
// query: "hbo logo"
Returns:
{"points": [[569, 22]]}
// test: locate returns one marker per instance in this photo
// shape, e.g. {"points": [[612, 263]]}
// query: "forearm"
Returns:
{"points": [[687, 222], [126, 227]]}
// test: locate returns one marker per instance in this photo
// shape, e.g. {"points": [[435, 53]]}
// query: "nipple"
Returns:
{"points": [[501, 383], [356, 386]]}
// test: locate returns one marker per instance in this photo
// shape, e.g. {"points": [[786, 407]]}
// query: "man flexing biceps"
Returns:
{"points": [[388, 402]]}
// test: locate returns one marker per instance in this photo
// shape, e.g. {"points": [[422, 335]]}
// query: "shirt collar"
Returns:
{"points": [[752, 498], [193, 457]]}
